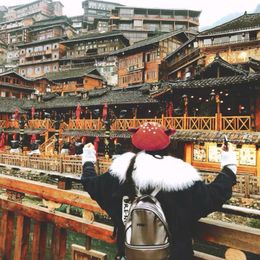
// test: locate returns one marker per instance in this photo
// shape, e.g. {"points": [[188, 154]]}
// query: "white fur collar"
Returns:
{"points": [[168, 173]]}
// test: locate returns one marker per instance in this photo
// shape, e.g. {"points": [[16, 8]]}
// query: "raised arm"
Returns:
{"points": [[210, 197]]}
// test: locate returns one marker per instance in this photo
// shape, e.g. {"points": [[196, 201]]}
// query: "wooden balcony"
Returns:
{"points": [[21, 220], [224, 123], [32, 124]]}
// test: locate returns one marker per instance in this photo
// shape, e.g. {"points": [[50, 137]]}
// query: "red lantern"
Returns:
{"points": [[104, 112], [2, 140], [96, 141], [78, 111], [33, 138]]}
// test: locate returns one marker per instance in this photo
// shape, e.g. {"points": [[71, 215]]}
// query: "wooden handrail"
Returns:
{"points": [[207, 123], [247, 185], [50, 192], [221, 233], [228, 123]]}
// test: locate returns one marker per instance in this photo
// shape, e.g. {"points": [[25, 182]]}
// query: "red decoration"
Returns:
{"points": [[83, 140], [14, 136], [96, 141], [104, 112], [33, 138], [78, 111], [169, 112], [2, 140]]}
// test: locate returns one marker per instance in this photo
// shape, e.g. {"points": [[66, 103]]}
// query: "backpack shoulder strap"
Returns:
{"points": [[155, 191]]}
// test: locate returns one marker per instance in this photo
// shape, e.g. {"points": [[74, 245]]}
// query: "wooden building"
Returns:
{"points": [[42, 53], [14, 85], [95, 10], [222, 99], [3, 50], [47, 7], [139, 23], [236, 42], [75, 81], [40, 57], [93, 50], [140, 62]]}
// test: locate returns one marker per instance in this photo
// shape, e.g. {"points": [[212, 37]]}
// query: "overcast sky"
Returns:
{"points": [[212, 10]]}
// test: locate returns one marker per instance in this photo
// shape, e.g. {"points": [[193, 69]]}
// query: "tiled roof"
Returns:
{"points": [[95, 36], [227, 82], [30, 89], [182, 135], [12, 72], [242, 22], [96, 98], [53, 39], [8, 105], [94, 133], [149, 41], [51, 21], [72, 73], [235, 137], [254, 64], [219, 62], [232, 81]]}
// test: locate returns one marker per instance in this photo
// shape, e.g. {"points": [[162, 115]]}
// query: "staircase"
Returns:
{"points": [[48, 146]]}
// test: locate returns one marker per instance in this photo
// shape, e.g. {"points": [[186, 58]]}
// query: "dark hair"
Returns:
{"points": [[129, 182]]}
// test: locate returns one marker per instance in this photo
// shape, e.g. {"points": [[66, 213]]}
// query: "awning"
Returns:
{"points": [[28, 131], [235, 137], [94, 133]]}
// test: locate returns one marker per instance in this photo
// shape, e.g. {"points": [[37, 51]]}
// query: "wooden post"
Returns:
{"points": [[58, 246], [188, 152], [219, 126], [22, 237], [184, 122], [258, 165], [247, 180], [39, 241], [88, 243], [163, 121], [6, 234]]}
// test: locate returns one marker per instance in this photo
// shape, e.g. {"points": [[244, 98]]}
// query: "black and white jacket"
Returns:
{"points": [[184, 197]]}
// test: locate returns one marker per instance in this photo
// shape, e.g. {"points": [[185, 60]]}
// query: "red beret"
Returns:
{"points": [[151, 136]]}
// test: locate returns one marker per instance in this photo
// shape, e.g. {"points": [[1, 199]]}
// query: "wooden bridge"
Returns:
{"points": [[22, 220]]}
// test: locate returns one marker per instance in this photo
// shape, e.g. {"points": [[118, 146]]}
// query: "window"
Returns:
{"points": [[138, 23], [207, 42]]}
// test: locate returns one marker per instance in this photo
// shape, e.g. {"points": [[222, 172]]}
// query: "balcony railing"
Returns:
{"points": [[247, 185], [24, 225], [253, 40], [225, 123], [2, 124]]}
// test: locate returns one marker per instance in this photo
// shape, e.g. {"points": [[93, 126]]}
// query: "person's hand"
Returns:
{"points": [[228, 157], [89, 153]]}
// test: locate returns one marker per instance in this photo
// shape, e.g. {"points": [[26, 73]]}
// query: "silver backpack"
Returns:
{"points": [[146, 231]]}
